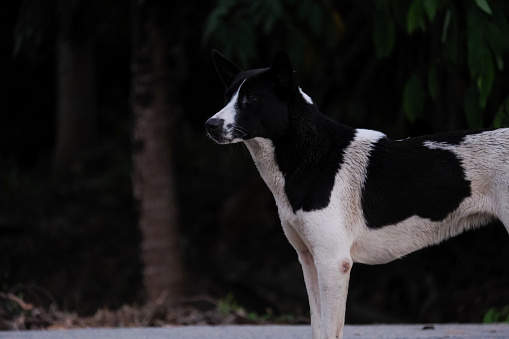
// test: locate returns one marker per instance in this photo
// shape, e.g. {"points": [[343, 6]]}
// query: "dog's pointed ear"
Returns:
{"points": [[226, 69], [283, 71]]}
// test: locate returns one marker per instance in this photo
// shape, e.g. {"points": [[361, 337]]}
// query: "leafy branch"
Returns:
{"points": [[237, 26], [477, 29]]}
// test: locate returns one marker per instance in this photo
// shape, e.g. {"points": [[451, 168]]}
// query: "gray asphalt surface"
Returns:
{"points": [[497, 331]]}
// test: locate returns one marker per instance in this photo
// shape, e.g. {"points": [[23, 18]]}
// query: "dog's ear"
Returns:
{"points": [[283, 72], [226, 69]]}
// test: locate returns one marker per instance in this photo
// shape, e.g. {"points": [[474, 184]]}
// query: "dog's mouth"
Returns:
{"points": [[219, 139], [225, 134]]}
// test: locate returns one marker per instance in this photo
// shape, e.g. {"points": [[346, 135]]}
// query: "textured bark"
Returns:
{"points": [[154, 185]]}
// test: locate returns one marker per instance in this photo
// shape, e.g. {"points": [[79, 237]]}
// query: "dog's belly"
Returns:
{"points": [[379, 246]]}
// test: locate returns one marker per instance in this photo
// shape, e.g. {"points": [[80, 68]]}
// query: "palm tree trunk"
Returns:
{"points": [[153, 181]]}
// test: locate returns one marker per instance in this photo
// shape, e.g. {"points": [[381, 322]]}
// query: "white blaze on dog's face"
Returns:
{"points": [[222, 126], [256, 101]]}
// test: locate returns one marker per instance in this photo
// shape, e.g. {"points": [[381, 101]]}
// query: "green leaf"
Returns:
{"points": [[485, 78], [215, 20], [483, 4], [413, 98], [431, 7], [475, 47], [265, 13], [399, 10], [501, 118], [452, 38], [433, 83], [500, 19], [473, 111], [496, 315], [497, 40], [447, 22], [490, 317], [416, 17], [500, 62], [384, 32], [478, 53]]}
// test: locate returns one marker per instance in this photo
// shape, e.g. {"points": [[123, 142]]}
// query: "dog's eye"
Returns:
{"points": [[249, 98]]}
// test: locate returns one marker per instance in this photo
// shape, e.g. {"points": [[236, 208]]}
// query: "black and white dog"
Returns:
{"points": [[349, 195]]}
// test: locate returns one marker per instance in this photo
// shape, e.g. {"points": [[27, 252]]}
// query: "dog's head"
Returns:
{"points": [[256, 100]]}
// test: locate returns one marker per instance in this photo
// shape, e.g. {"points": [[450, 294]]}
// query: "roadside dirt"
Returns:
{"points": [[201, 310]]}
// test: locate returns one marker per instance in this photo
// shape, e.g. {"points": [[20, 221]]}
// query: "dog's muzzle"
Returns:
{"points": [[214, 127]]}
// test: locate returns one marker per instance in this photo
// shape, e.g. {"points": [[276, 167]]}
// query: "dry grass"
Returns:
{"points": [[16, 314]]}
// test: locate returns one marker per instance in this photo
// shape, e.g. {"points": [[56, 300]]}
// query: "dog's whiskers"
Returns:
{"points": [[238, 131]]}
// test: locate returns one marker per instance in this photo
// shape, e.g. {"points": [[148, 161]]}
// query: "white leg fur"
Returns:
{"points": [[312, 287], [326, 263], [333, 278], [326, 279], [310, 276]]}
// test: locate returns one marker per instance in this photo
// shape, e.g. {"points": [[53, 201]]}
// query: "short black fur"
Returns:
{"points": [[405, 178], [310, 154], [451, 138], [309, 147]]}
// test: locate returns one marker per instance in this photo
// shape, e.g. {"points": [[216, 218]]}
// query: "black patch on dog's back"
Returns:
{"points": [[405, 178]]}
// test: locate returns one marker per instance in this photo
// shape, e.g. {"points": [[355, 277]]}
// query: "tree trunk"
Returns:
{"points": [[154, 187], [76, 80]]}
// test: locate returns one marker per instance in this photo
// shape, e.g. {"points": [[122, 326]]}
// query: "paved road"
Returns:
{"points": [[498, 331]]}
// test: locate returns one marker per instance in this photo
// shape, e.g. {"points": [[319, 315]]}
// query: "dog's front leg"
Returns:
{"points": [[333, 277], [310, 276], [311, 280]]}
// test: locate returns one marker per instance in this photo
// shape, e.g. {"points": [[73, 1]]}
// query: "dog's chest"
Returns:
{"points": [[262, 152], [331, 190]]}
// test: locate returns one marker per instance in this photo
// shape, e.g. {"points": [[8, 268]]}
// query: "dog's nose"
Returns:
{"points": [[214, 123]]}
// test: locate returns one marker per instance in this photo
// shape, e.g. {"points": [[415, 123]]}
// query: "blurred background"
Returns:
{"points": [[111, 194]]}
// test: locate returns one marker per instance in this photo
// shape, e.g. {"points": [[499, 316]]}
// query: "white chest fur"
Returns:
{"points": [[342, 218], [263, 153]]}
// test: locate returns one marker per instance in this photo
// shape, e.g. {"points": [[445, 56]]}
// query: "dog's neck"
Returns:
{"points": [[292, 146], [263, 153], [289, 163]]}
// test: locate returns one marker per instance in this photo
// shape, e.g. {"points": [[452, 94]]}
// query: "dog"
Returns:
{"points": [[348, 195]]}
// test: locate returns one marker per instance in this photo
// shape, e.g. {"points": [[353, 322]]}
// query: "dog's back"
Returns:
{"points": [[420, 191]]}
